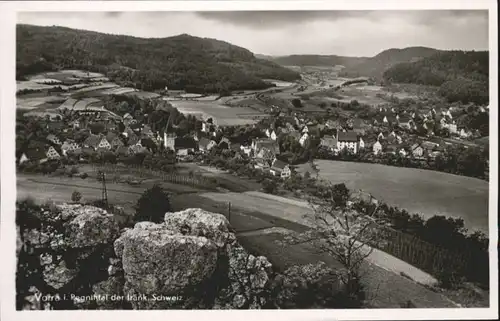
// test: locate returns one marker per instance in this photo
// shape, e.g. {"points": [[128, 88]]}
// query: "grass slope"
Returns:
{"points": [[418, 191]]}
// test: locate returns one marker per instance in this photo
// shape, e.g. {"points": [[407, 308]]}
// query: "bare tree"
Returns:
{"points": [[339, 230]]}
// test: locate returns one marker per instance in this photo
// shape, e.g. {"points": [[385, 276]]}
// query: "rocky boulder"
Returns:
{"points": [[198, 222], [88, 226], [194, 254], [67, 245], [157, 260]]}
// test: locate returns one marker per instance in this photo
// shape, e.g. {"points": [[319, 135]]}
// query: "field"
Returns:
{"points": [[28, 103], [384, 288], [418, 191], [223, 115]]}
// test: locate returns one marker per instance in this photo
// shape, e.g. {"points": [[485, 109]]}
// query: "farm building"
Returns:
{"points": [[206, 144], [279, 168]]}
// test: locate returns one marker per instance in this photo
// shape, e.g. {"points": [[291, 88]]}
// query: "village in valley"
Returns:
{"points": [[83, 128]]}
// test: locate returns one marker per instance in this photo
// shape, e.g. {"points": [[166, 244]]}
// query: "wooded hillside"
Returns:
{"points": [[179, 62]]}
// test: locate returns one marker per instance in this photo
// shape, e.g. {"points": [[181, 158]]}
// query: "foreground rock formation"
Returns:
{"points": [[195, 257], [64, 251]]}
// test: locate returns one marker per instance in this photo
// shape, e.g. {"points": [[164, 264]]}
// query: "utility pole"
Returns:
{"points": [[229, 211], [104, 196]]}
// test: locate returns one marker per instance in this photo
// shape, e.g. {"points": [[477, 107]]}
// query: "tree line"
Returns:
{"points": [[461, 75]]}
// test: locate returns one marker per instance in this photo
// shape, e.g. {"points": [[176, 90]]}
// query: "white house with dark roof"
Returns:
{"points": [[54, 139], [281, 169], [52, 153], [205, 144], [347, 140], [69, 146], [303, 139], [377, 148]]}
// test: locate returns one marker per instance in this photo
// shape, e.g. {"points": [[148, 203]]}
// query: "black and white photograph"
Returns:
{"points": [[303, 157]]}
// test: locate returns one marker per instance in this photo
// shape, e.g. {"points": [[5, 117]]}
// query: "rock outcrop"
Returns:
{"points": [[191, 260], [194, 256], [66, 247]]}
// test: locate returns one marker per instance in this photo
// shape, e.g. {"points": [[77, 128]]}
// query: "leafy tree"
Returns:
{"points": [[341, 231], [297, 103], [152, 205], [76, 196], [269, 185]]}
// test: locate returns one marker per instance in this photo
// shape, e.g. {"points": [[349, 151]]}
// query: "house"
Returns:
{"points": [[273, 135], [53, 139], [122, 150], [279, 168], [116, 142], [224, 143], [377, 148], [169, 141], [235, 147], [206, 144], [267, 144], [69, 146], [33, 155], [185, 145], [380, 136], [406, 122], [417, 150], [347, 140], [147, 132], [92, 141], [361, 143], [391, 149], [261, 163], [465, 134], [403, 152], [75, 124], [329, 142], [137, 149], [357, 126], [247, 150], [303, 139], [97, 141], [296, 135], [333, 124], [52, 153]]}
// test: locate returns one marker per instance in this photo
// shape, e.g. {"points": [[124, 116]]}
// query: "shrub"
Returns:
{"points": [[152, 205], [76, 197]]}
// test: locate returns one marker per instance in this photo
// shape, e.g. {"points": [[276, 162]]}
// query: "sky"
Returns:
{"points": [[346, 33]]}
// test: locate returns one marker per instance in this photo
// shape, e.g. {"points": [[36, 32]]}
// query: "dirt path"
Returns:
{"points": [[297, 212]]}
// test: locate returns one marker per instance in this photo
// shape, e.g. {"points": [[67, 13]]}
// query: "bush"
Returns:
{"points": [[76, 197], [152, 205], [311, 286], [269, 186]]}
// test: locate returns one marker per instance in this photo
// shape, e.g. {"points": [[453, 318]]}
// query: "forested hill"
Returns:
{"points": [[318, 60], [375, 67], [462, 75], [180, 62]]}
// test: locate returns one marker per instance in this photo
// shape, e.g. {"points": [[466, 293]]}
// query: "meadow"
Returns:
{"points": [[223, 115], [418, 191]]}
